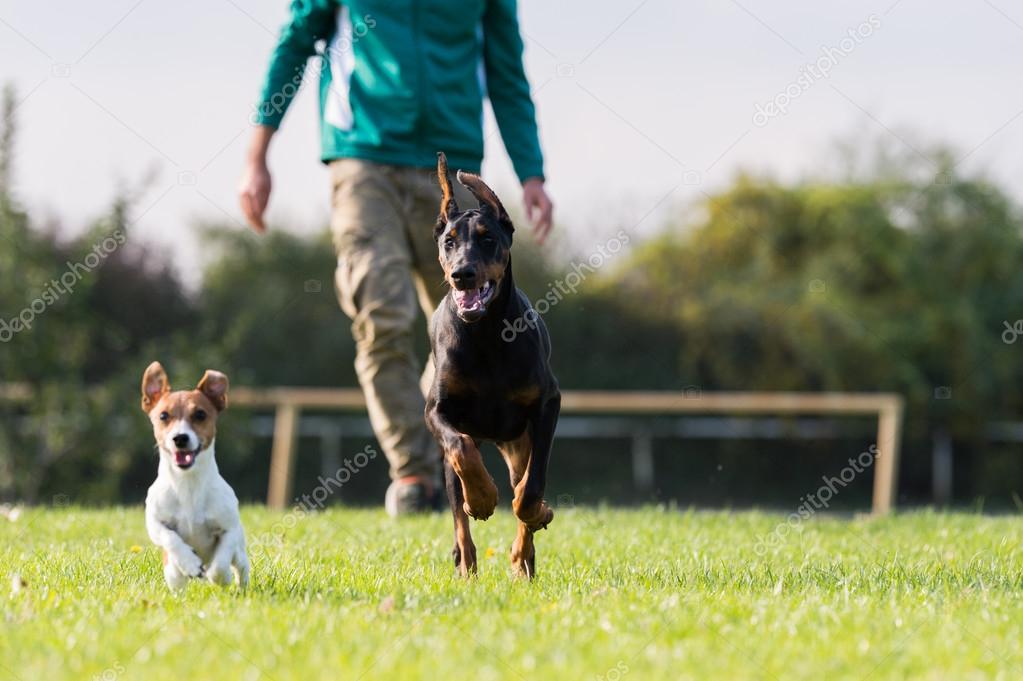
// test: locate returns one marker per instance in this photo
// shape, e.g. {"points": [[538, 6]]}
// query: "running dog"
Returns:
{"points": [[191, 512], [488, 388]]}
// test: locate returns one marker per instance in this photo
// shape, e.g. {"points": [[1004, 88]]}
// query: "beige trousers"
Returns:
{"points": [[387, 269]]}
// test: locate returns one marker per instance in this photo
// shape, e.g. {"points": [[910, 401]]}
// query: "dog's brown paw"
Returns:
{"points": [[523, 555], [523, 568], [480, 499], [465, 559], [536, 516]]}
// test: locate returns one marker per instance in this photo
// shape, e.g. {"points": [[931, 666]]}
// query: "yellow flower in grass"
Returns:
{"points": [[491, 552], [135, 548]]}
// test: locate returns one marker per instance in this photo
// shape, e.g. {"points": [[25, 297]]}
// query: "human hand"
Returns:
{"points": [[539, 209], [254, 193]]}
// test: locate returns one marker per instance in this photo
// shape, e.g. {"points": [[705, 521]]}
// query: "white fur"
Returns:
{"points": [[181, 428], [192, 515]]}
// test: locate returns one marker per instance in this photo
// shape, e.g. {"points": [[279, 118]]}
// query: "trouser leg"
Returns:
{"points": [[377, 289]]}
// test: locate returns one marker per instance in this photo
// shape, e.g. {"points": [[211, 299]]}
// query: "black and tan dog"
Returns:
{"points": [[488, 388]]}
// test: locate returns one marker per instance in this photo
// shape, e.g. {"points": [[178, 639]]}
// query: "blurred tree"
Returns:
{"points": [[75, 314], [268, 309], [887, 284]]}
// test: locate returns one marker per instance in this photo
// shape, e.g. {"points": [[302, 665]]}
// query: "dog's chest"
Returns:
{"points": [[195, 528], [483, 415]]}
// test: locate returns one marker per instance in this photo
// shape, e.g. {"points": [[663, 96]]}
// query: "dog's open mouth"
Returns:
{"points": [[184, 458], [475, 299]]}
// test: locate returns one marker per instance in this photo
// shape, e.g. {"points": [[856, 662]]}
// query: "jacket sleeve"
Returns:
{"points": [[508, 88], [311, 21]]}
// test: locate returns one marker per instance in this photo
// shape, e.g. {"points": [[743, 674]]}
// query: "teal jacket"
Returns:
{"points": [[401, 80]]}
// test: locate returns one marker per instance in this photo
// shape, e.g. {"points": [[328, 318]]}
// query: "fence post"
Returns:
{"points": [[941, 468], [889, 424], [643, 460], [282, 455]]}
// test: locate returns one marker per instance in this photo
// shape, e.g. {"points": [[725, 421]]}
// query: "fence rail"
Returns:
{"points": [[288, 403]]}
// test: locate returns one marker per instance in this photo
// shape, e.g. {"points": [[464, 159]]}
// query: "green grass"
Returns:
{"points": [[648, 594]]}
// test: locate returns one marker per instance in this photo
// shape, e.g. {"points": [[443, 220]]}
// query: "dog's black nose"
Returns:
{"points": [[181, 440], [463, 275]]}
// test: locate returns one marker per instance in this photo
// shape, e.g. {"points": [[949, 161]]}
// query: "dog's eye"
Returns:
{"points": [[199, 415], [164, 416], [487, 240], [449, 244]]}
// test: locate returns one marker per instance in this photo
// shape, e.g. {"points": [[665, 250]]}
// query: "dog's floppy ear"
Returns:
{"points": [[448, 205], [486, 197], [154, 386], [214, 386]]}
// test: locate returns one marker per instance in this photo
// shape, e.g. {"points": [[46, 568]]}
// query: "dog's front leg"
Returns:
{"points": [[240, 563], [457, 450], [529, 504], [461, 452], [464, 552], [224, 556], [179, 560]]}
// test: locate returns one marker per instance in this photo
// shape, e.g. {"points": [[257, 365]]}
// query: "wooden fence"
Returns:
{"points": [[288, 404]]}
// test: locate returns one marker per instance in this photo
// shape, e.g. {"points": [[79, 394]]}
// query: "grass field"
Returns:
{"points": [[646, 594]]}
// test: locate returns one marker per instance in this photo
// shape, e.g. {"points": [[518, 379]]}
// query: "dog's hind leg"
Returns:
{"points": [[516, 455], [464, 552]]}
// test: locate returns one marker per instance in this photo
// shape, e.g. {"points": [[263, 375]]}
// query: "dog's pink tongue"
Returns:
{"points": [[184, 458], [467, 299]]}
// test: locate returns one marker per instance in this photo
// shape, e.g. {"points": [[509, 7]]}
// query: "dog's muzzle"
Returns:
{"points": [[472, 303]]}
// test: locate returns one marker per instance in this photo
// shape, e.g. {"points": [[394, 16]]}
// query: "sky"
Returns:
{"points": [[644, 106]]}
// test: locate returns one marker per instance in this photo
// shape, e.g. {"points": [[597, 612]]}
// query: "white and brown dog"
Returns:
{"points": [[191, 512]]}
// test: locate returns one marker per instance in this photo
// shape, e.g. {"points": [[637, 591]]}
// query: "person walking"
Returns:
{"points": [[398, 82]]}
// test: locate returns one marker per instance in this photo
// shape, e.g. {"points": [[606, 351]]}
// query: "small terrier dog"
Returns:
{"points": [[191, 512]]}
